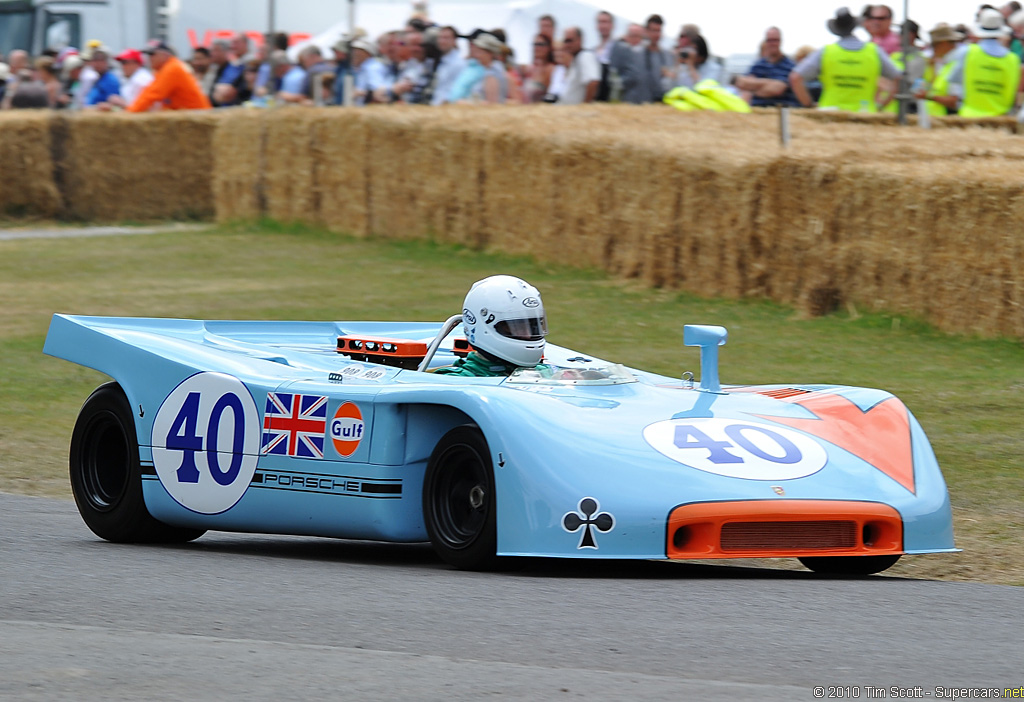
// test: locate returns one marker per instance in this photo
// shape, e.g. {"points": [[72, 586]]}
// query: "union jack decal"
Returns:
{"points": [[295, 425]]}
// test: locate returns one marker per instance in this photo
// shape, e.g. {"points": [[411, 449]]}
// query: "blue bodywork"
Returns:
{"points": [[553, 445]]}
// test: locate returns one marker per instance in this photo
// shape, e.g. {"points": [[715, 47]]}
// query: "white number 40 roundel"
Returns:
{"points": [[206, 442], [737, 449]]}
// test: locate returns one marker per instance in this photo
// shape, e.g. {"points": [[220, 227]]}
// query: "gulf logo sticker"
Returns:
{"points": [[347, 429], [737, 449]]}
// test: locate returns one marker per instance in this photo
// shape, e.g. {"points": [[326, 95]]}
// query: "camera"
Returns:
{"points": [[685, 53]]}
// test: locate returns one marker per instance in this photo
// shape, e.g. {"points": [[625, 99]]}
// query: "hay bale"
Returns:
{"points": [[28, 186], [341, 159], [399, 161], [239, 163], [288, 164], [148, 166]]}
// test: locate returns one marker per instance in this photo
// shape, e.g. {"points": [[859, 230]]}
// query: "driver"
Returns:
{"points": [[503, 319]]}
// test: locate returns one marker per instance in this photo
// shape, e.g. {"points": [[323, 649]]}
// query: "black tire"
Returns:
{"points": [[458, 500], [849, 565], [106, 478]]}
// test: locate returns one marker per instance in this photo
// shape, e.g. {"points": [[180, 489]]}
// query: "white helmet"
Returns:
{"points": [[504, 317]]}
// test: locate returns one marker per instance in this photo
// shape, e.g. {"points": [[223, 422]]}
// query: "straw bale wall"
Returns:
{"points": [[852, 214], [154, 166], [27, 176]]}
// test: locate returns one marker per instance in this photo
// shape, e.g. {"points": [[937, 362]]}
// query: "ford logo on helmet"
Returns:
{"points": [[468, 316], [531, 302]]}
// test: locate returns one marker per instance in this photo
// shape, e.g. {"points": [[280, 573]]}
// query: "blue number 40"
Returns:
{"points": [[688, 436], [182, 436]]}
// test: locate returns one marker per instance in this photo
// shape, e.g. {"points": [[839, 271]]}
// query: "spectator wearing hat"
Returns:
{"points": [[71, 97], [912, 60], [849, 70], [136, 77], [492, 85], [877, 20], [583, 77], [470, 74], [342, 68], [107, 85], [371, 82], [944, 40], [986, 75], [1016, 22], [173, 87], [766, 84], [449, 65]]}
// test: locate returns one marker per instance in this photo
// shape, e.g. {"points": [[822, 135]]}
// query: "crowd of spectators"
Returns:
{"points": [[422, 63]]}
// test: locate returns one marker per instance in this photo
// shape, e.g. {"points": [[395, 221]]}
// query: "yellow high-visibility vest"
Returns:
{"points": [[990, 83], [849, 78]]}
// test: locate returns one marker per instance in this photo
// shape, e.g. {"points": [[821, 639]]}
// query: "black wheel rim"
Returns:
{"points": [[460, 497], [105, 462]]}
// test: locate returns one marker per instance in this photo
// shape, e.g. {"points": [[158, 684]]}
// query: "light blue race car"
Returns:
{"points": [[342, 430]]}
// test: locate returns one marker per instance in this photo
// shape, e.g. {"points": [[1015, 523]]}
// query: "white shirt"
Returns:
{"points": [[447, 71], [584, 70], [556, 85], [131, 88]]}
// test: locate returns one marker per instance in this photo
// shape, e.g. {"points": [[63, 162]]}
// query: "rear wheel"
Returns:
{"points": [[458, 500], [849, 565], [106, 478]]}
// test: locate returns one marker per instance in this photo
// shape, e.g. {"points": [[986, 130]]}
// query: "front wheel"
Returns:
{"points": [[106, 478], [849, 565], [458, 500]]}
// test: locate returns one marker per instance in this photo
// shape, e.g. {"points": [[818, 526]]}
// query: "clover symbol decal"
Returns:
{"points": [[588, 517]]}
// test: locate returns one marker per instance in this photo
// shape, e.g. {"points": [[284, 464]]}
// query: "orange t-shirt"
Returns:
{"points": [[175, 87]]}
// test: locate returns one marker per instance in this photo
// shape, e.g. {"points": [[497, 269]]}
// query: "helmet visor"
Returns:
{"points": [[527, 329]]}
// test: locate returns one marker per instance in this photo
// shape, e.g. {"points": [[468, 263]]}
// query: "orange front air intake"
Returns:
{"points": [[786, 528]]}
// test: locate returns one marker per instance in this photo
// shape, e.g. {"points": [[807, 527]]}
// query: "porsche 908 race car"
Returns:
{"points": [[341, 430]]}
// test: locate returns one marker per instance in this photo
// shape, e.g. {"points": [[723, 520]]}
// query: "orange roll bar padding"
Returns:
{"points": [[461, 347], [381, 346], [783, 528], [400, 353]]}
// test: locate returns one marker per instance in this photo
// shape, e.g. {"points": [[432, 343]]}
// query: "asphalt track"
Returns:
{"points": [[268, 617]]}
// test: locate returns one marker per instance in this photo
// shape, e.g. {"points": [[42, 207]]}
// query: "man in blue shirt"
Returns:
{"points": [[767, 82], [107, 84], [372, 83]]}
